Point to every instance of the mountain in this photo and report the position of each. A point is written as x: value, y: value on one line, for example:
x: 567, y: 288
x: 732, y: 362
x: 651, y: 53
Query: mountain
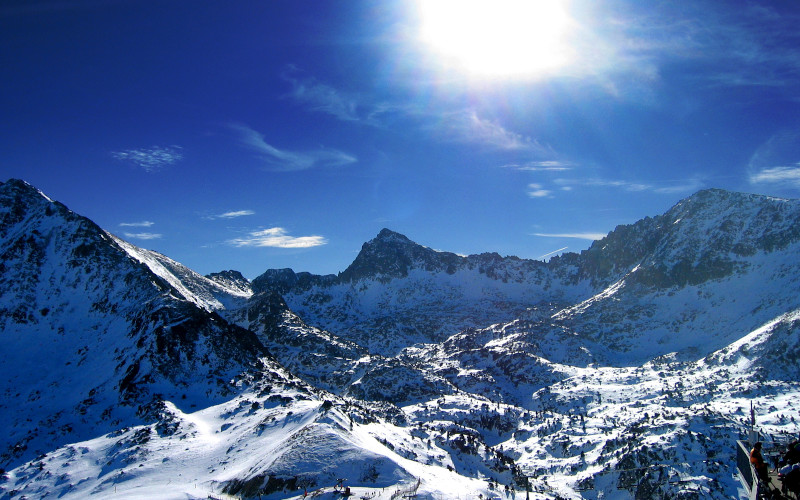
x: 92, y: 338
x: 640, y: 292
x: 398, y: 293
x: 627, y: 370
x: 121, y: 376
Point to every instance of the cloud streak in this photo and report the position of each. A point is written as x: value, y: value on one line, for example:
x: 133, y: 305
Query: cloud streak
x: 467, y: 126
x: 683, y: 186
x: 579, y: 236
x: 290, y: 161
x: 144, y: 223
x: 542, y: 166
x: 458, y: 125
x: 143, y: 236
x: 322, y: 98
x: 231, y: 215
x: 775, y: 161
x: 622, y: 48
x: 150, y: 159
x: 778, y: 175
x: 276, y: 237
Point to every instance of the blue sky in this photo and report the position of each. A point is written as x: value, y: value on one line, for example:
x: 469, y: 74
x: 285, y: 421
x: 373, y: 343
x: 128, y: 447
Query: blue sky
x: 252, y: 135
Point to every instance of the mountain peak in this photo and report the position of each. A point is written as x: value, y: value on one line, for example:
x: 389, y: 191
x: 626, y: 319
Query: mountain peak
x: 227, y: 276
x: 391, y: 255
x: 16, y: 191
x: 387, y: 235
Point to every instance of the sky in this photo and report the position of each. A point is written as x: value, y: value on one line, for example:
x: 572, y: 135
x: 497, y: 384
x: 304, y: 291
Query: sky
x: 253, y: 135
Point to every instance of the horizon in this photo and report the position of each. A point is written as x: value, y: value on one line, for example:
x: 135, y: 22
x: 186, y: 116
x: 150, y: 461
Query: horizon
x: 267, y: 135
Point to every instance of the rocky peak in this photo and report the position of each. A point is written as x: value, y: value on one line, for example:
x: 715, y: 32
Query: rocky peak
x: 391, y: 255
x: 705, y: 236
x: 230, y: 279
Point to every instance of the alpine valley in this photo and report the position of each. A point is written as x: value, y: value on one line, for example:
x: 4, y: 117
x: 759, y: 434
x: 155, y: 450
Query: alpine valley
x: 626, y: 371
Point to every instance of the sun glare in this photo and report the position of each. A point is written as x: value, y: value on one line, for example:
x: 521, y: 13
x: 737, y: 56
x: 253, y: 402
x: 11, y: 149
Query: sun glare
x: 498, y: 38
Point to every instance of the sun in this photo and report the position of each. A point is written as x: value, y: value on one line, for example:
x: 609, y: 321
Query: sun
x: 497, y: 38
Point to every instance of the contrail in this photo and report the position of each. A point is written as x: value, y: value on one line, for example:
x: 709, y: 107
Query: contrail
x: 554, y: 251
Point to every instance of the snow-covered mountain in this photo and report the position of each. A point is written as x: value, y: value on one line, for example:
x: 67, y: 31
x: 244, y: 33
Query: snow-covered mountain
x: 625, y: 371
x: 693, y: 280
x: 92, y: 338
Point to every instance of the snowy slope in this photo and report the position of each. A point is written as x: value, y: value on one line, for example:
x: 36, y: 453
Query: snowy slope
x: 205, y: 292
x: 722, y: 265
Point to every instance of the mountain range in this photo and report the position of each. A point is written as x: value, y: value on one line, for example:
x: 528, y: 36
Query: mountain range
x: 624, y: 371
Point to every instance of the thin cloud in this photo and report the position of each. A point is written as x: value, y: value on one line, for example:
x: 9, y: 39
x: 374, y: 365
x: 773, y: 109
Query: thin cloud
x: 579, y: 236
x: 231, y: 215
x: 290, y: 161
x: 462, y: 125
x: 144, y: 223
x: 276, y: 237
x: 624, y: 185
x: 775, y: 161
x: 537, y: 191
x: 345, y: 106
x: 622, y: 48
x: 684, y: 186
x: 778, y: 175
x: 143, y: 236
x: 689, y: 186
x: 758, y: 44
x: 542, y: 166
x: 468, y: 127
x: 150, y: 159
x: 323, y: 98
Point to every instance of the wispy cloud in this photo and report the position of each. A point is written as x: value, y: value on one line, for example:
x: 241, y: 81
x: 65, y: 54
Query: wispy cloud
x: 276, y: 237
x: 230, y: 215
x: 542, y: 166
x: 686, y: 186
x: 464, y: 125
x: 775, y: 161
x: 757, y: 44
x: 343, y: 105
x: 459, y: 125
x: 673, y: 187
x: 289, y: 161
x: 144, y: 223
x: 624, y: 185
x: 537, y: 191
x: 778, y: 175
x: 468, y: 126
x: 622, y: 47
x: 150, y: 159
x: 143, y: 236
x: 579, y: 236
x: 323, y: 98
